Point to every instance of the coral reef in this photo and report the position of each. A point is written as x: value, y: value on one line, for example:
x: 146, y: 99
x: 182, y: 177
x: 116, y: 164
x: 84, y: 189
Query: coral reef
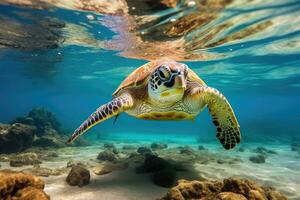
x: 17, y: 185
x: 16, y: 137
x: 228, y: 189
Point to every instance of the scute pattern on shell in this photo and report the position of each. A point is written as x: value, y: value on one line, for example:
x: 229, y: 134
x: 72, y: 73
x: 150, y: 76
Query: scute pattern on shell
x: 138, y: 76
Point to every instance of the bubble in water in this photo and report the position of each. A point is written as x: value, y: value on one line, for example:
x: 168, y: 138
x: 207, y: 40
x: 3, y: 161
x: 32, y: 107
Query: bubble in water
x: 90, y: 17
x: 191, y: 3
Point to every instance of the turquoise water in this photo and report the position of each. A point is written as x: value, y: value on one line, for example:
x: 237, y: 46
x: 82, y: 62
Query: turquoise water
x: 70, y: 60
x: 258, y: 74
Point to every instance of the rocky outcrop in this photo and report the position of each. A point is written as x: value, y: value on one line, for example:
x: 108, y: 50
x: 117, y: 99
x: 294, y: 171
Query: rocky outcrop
x: 50, y: 138
x: 109, y: 167
x: 163, y: 172
x: 39, y: 128
x: 78, y: 176
x: 228, y: 189
x: 22, y: 159
x: 107, y: 155
x: 295, y: 146
x: 144, y: 151
x: 258, y: 159
x: 153, y: 163
x: 16, y: 137
x: 187, y: 150
x: 17, y: 185
x: 158, y: 146
x: 129, y: 147
x: 111, y: 146
x: 44, y: 171
x: 165, y: 177
x: 264, y: 151
x: 101, y: 170
x: 42, y: 119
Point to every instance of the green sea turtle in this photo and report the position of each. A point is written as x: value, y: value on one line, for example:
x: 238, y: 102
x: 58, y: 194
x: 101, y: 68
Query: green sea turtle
x: 167, y: 90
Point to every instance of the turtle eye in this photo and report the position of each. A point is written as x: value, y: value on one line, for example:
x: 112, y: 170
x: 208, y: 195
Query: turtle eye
x: 163, y: 73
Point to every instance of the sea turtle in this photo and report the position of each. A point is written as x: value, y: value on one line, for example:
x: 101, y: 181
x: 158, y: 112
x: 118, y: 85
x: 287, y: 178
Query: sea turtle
x: 167, y: 90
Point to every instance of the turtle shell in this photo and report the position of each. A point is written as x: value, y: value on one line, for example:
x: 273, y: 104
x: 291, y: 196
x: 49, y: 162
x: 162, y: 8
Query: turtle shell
x: 138, y: 76
x: 193, y: 77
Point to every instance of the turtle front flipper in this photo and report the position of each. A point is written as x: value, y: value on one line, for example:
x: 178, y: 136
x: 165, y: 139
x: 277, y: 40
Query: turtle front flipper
x: 228, y: 129
x: 112, y: 108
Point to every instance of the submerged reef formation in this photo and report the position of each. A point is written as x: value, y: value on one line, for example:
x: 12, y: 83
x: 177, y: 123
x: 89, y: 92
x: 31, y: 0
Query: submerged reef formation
x: 228, y: 189
x: 42, y: 119
x: 16, y: 137
x: 23, y: 186
x: 39, y: 128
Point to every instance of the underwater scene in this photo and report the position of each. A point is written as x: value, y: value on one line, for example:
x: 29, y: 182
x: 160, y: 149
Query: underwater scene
x: 149, y: 99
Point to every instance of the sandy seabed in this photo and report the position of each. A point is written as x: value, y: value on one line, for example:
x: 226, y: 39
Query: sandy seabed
x: 280, y: 171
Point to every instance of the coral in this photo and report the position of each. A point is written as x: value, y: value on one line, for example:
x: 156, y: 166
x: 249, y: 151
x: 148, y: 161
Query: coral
x: 78, y: 176
x: 18, y: 185
x: 228, y: 189
x: 16, y: 137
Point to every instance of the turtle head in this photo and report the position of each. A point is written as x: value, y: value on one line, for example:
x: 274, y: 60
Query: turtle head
x: 167, y: 83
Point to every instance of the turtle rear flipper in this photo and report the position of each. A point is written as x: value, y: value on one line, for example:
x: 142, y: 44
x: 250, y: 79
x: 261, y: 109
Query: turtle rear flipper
x: 228, y: 129
x: 112, y: 108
